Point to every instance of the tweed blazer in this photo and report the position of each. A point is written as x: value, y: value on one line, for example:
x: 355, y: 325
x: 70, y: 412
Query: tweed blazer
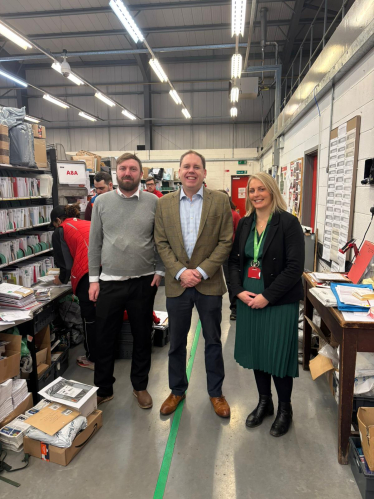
x: 213, y: 244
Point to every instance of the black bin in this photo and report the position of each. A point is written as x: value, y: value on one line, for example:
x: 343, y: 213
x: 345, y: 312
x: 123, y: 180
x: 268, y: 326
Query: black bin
x: 363, y: 476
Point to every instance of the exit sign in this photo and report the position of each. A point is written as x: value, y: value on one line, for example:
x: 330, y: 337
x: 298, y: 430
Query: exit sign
x: 242, y: 162
x: 241, y: 172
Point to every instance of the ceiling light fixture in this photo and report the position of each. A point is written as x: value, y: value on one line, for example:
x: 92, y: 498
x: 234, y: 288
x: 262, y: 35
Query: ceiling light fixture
x: 234, y: 112
x: 105, y: 99
x: 126, y: 19
x: 13, y: 78
x: 32, y: 119
x: 13, y: 37
x: 238, y: 17
x: 234, y: 94
x: 55, y: 101
x: 186, y: 113
x: 156, y: 66
x: 57, y: 67
x: 128, y: 114
x: 175, y: 96
x: 87, y: 116
x: 236, y: 66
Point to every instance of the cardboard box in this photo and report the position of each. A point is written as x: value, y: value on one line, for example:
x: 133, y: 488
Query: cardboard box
x: 319, y: 365
x: 64, y: 456
x: 24, y: 406
x: 40, y: 148
x: 10, y: 367
x: 365, y: 418
x: 39, y: 131
x: 4, y: 145
x: 89, y: 160
x: 145, y: 172
x: 43, y: 352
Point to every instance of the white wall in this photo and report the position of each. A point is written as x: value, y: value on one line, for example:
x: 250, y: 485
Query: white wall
x: 354, y: 96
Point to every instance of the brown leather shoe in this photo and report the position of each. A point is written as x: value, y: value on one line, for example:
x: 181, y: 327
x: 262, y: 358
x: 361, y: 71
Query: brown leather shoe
x: 144, y: 399
x: 102, y: 400
x: 171, y: 403
x: 221, y: 407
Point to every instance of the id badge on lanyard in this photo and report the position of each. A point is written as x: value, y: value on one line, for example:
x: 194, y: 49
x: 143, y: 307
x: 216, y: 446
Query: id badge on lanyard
x: 254, y: 271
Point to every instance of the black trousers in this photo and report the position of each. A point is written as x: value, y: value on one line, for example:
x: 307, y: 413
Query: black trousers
x: 226, y: 272
x: 282, y: 385
x: 180, y: 312
x: 137, y: 297
x: 88, y: 313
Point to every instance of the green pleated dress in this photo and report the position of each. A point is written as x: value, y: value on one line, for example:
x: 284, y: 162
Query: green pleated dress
x: 267, y: 338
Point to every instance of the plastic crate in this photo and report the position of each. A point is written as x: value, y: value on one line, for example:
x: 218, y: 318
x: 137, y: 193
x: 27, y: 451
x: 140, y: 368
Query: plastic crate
x: 161, y: 337
x: 62, y: 363
x: 363, y: 476
x: 47, y: 377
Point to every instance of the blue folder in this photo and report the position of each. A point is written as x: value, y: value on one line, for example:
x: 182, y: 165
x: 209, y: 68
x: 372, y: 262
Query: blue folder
x: 349, y: 308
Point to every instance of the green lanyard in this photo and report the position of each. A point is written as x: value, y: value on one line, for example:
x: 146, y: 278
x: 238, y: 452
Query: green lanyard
x: 257, y: 244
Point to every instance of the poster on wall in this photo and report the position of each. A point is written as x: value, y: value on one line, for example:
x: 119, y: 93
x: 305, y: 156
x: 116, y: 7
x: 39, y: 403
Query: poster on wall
x: 341, y: 182
x: 294, y: 187
x: 283, y: 181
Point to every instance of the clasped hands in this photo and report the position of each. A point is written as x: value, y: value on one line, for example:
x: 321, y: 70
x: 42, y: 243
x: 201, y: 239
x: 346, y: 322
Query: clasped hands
x: 190, y: 278
x: 253, y: 300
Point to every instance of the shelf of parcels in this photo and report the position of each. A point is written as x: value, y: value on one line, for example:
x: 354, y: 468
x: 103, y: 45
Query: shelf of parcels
x: 25, y: 258
x: 19, y: 199
x: 24, y: 228
x: 4, y: 166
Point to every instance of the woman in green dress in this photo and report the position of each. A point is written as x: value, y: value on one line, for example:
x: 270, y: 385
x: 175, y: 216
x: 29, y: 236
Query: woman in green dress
x: 266, y: 265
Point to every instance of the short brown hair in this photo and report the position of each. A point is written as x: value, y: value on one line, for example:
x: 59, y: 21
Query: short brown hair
x: 192, y: 152
x: 150, y: 179
x: 129, y: 155
x: 103, y: 176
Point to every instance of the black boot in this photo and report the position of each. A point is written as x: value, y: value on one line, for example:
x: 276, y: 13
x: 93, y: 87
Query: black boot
x: 264, y: 408
x: 283, y: 420
x: 233, y: 314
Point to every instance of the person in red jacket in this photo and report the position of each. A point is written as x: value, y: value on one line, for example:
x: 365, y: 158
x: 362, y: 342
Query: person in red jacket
x: 151, y: 187
x: 70, y: 245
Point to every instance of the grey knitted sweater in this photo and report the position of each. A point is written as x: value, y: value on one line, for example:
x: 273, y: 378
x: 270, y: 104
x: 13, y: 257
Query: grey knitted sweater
x: 121, y: 235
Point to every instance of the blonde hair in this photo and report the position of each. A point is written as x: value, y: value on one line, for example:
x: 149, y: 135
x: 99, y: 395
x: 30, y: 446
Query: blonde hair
x: 277, y: 204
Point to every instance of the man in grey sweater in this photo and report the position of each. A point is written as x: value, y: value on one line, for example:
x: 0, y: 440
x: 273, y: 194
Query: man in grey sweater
x: 125, y: 272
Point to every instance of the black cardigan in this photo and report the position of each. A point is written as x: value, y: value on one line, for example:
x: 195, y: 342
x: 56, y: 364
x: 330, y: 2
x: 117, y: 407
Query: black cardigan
x: 282, y: 259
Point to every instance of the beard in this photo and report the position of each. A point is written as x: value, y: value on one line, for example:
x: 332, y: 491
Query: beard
x: 128, y: 185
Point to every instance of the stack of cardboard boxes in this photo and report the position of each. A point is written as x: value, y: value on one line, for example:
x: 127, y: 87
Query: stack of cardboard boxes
x: 4, y: 145
x: 93, y: 161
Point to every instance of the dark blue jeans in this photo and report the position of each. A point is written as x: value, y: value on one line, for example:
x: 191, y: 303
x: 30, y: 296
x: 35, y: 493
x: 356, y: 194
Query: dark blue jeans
x: 210, y: 313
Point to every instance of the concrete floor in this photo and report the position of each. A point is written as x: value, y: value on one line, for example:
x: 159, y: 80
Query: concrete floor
x: 213, y: 458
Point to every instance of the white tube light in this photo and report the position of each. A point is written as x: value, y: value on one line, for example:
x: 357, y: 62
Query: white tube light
x: 128, y: 114
x: 126, y: 19
x: 175, y: 96
x: 236, y: 66
x: 234, y: 112
x: 13, y: 78
x: 32, y: 119
x: 186, y: 113
x: 72, y: 77
x: 234, y: 94
x: 156, y: 66
x: 238, y: 17
x: 55, y: 101
x: 105, y: 99
x: 87, y: 116
x: 13, y: 37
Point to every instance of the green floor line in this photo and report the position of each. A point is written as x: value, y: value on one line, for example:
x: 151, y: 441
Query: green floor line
x: 169, y: 450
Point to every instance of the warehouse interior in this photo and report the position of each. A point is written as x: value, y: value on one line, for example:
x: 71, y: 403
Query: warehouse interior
x: 304, y: 68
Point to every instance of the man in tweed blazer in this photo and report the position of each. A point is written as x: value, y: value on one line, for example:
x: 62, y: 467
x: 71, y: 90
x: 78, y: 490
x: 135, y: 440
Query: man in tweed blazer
x: 193, y: 234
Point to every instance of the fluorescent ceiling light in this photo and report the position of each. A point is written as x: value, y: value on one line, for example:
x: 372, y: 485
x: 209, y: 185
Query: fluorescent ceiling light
x: 236, y: 66
x: 238, y: 17
x: 55, y: 101
x: 126, y: 19
x: 57, y: 67
x: 156, y: 66
x: 105, y: 99
x: 234, y: 95
x: 186, y: 113
x: 32, y: 119
x: 13, y: 78
x: 175, y: 96
x: 128, y: 114
x: 13, y: 37
x: 87, y: 116
x: 234, y: 112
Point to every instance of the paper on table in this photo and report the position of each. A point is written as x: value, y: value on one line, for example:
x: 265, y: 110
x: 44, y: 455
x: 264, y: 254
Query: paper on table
x: 357, y: 317
x: 321, y: 276
x: 15, y: 315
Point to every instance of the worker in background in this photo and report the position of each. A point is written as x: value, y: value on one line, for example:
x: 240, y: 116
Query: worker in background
x: 232, y: 298
x: 103, y: 183
x: 70, y: 250
x: 266, y: 265
x: 122, y: 243
x: 151, y: 187
x: 193, y: 233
